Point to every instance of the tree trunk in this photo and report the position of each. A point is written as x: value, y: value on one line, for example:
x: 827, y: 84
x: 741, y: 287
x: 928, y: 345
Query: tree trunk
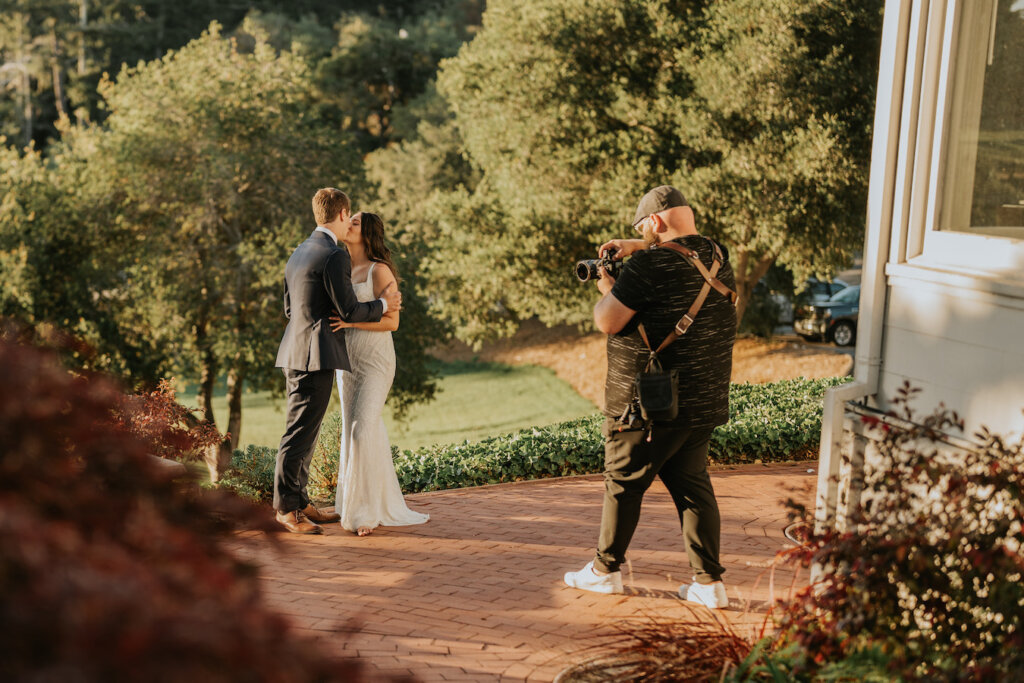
x: 59, y: 96
x: 25, y: 84
x: 236, y: 382
x: 83, y: 23
x: 236, y: 377
x: 747, y: 276
x: 207, y: 383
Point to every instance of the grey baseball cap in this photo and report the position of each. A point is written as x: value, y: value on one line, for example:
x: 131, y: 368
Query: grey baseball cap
x: 657, y: 200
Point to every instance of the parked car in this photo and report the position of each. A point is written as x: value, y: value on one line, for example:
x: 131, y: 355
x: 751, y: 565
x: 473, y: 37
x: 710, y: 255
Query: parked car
x: 814, y: 291
x: 833, y: 320
x: 820, y: 290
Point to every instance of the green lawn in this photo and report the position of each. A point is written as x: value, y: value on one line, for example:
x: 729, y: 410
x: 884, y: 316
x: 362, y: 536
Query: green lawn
x: 475, y: 400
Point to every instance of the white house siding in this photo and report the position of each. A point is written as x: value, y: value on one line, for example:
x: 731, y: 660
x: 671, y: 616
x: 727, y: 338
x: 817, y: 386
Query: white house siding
x: 962, y: 347
x: 942, y: 304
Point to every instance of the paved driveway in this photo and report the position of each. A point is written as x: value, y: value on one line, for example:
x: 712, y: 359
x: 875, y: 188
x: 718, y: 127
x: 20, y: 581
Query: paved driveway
x: 476, y: 594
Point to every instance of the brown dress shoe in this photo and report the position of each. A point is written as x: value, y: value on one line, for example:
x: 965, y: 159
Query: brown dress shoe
x: 297, y: 523
x: 321, y: 516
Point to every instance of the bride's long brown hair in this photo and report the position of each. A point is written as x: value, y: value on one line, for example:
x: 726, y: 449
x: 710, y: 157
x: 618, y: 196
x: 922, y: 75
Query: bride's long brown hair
x: 372, y: 230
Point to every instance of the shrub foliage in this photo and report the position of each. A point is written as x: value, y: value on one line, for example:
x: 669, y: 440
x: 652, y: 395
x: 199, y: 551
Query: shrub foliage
x: 927, y: 584
x: 172, y: 430
x: 658, y: 649
x: 109, y: 569
x: 771, y: 422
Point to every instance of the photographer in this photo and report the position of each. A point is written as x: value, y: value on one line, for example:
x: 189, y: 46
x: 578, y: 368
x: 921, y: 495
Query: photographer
x: 656, y: 287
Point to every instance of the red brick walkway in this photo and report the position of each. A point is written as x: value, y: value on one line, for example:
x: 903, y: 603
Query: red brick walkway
x: 476, y: 594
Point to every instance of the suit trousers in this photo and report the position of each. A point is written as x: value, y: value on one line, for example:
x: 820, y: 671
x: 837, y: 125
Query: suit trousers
x: 678, y: 455
x: 309, y: 394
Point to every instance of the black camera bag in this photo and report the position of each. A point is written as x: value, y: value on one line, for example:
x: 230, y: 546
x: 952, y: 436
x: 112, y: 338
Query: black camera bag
x: 657, y: 391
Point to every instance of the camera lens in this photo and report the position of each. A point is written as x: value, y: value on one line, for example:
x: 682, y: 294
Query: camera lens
x: 586, y: 270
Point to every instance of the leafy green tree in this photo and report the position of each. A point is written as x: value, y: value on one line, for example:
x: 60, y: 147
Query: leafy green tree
x: 404, y: 177
x: 784, y: 98
x: 412, y: 180
x: 306, y: 37
x: 382, y: 62
x: 210, y: 155
x: 34, y: 37
x: 562, y: 105
x: 127, y: 232
x: 759, y: 111
x: 61, y: 266
x: 54, y: 52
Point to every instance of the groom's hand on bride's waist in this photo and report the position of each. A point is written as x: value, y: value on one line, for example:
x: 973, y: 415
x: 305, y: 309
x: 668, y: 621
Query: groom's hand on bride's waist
x: 392, y: 297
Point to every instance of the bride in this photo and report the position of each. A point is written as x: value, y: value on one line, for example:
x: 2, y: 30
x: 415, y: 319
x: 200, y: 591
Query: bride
x: 368, y: 492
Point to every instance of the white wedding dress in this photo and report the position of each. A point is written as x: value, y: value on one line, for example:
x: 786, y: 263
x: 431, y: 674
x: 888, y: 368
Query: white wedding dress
x: 368, y: 494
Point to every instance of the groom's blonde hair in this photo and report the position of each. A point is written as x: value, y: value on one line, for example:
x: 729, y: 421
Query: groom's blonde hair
x: 328, y: 202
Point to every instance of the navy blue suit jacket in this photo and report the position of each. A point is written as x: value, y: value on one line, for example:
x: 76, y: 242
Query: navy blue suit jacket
x: 318, y: 282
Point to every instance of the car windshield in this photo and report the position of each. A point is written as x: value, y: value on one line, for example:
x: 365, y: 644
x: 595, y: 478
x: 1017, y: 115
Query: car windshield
x: 819, y: 289
x: 849, y: 295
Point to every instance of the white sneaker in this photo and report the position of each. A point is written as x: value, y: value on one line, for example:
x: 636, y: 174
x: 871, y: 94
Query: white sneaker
x: 710, y: 595
x: 589, y: 580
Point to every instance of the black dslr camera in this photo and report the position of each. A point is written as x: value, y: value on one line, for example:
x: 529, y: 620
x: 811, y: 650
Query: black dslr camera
x: 587, y: 268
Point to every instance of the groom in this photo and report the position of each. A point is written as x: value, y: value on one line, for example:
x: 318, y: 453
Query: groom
x: 317, y: 282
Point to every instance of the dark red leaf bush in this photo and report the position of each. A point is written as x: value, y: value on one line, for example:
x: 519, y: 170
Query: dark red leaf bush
x: 110, y: 570
x: 926, y: 584
x: 172, y: 430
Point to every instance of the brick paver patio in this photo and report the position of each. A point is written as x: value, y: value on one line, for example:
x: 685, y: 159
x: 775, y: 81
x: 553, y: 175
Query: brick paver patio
x: 476, y: 593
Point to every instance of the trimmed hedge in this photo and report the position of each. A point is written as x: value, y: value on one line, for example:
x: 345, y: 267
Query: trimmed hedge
x: 772, y: 422
x: 768, y: 422
x: 573, y: 447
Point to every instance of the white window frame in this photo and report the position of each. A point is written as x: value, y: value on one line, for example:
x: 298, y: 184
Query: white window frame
x: 995, y: 263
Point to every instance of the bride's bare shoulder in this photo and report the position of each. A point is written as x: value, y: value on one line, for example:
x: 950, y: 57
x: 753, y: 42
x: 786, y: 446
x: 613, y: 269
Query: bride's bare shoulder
x: 382, y: 277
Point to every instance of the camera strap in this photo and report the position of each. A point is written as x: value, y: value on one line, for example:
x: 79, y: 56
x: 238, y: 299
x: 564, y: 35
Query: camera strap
x: 710, y: 282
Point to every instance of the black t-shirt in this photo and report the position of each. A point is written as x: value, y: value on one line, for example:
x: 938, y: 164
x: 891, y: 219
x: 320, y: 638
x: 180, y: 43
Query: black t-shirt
x: 660, y: 286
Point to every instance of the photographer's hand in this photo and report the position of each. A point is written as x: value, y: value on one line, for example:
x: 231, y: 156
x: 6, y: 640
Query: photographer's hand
x: 620, y: 249
x: 605, y: 282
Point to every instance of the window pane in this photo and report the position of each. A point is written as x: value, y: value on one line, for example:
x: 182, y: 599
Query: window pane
x: 984, y: 178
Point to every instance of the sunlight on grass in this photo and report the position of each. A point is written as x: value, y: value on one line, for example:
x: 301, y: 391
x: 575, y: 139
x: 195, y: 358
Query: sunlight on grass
x: 476, y: 400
